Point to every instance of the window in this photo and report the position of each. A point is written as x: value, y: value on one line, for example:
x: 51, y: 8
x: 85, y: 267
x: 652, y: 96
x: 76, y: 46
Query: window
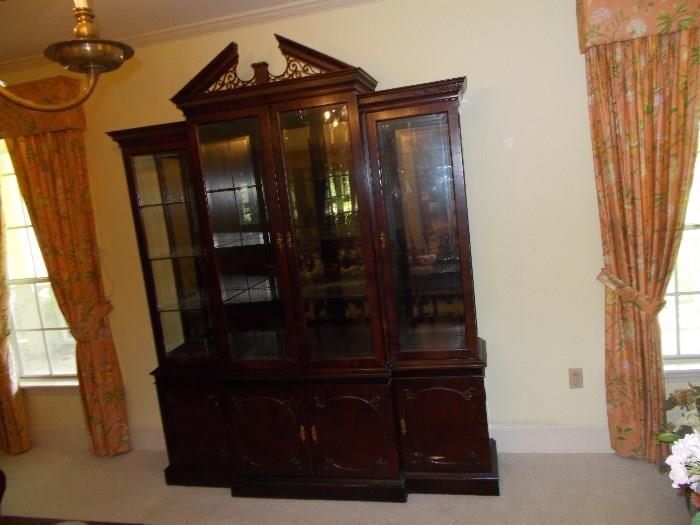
x: 680, y: 318
x: 40, y: 340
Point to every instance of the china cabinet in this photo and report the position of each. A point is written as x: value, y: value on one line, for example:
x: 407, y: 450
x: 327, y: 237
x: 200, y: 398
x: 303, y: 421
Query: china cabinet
x: 305, y: 248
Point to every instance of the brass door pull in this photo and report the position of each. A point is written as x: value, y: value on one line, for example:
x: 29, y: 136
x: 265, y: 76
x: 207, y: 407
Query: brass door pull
x: 290, y: 241
x: 314, y: 435
x: 302, y: 433
x: 280, y: 240
x: 402, y: 422
x: 382, y: 240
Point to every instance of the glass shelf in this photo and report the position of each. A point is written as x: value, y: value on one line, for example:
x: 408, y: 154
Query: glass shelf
x: 176, y: 254
x: 169, y: 223
x: 166, y: 203
x: 240, y: 239
x: 190, y: 302
x: 242, y: 187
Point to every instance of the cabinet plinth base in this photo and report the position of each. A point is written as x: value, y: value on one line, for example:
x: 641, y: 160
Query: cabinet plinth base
x: 342, y: 489
x: 198, y: 476
x: 478, y: 483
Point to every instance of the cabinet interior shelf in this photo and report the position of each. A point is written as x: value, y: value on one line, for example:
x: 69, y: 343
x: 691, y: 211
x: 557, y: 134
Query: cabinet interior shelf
x: 179, y: 254
x: 164, y: 203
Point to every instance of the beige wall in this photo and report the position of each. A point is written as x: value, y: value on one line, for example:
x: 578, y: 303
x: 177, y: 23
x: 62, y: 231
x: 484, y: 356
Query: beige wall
x: 533, y: 218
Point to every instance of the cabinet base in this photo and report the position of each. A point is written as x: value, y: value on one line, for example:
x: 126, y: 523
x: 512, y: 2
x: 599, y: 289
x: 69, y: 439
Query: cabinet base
x: 198, y: 476
x: 344, y: 489
x: 477, y: 483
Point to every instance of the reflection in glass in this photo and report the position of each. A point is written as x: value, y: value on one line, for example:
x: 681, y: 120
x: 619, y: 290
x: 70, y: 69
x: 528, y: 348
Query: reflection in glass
x: 156, y: 231
x: 246, y: 257
x: 147, y: 184
x: 416, y: 168
x: 170, y: 226
x: 318, y: 162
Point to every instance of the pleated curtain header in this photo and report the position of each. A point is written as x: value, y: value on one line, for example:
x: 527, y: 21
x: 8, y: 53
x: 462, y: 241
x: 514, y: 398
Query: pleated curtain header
x: 20, y: 122
x: 606, y: 21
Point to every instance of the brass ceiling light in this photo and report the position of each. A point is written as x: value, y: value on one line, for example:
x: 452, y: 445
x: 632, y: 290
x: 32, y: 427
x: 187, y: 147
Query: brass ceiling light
x: 87, y: 54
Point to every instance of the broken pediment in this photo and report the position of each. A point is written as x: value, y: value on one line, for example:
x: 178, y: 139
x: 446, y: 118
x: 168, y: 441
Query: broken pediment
x: 221, y: 74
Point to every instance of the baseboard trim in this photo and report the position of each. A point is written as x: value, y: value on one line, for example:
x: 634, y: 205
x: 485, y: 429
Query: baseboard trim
x: 76, y: 437
x: 515, y: 438
x: 512, y: 438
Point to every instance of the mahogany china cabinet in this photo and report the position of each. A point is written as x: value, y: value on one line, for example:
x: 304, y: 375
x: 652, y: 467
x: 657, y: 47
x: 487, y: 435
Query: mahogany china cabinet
x: 305, y: 248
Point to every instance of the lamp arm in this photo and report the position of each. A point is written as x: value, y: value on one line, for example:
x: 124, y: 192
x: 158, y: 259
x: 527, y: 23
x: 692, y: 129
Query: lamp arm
x: 86, y: 89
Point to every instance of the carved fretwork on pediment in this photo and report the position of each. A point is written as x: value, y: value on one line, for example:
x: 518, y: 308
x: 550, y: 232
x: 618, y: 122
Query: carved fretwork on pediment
x: 296, y: 68
x: 221, y: 74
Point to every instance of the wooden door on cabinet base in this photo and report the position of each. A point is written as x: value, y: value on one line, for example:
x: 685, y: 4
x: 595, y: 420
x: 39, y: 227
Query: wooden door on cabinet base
x: 352, y: 431
x: 195, y: 433
x: 443, y: 426
x: 268, y: 433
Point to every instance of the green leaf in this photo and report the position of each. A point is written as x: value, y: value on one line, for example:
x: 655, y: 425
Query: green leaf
x: 665, y: 23
x: 668, y: 437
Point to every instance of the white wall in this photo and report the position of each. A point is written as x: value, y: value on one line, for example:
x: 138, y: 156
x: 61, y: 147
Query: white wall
x: 531, y: 194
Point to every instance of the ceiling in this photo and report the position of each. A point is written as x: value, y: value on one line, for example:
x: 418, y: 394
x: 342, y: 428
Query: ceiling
x: 28, y: 26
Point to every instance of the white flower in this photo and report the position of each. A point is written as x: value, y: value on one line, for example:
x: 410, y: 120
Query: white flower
x: 685, y: 460
x: 678, y: 475
x: 637, y: 27
x: 599, y: 14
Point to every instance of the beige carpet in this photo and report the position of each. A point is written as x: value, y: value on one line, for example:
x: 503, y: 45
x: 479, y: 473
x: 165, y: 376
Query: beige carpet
x: 536, y: 489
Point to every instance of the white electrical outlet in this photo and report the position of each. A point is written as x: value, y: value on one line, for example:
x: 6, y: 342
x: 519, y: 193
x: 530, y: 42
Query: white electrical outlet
x: 575, y: 377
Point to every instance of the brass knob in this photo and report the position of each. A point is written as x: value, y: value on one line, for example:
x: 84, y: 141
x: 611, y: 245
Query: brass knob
x: 402, y: 422
x: 290, y: 240
x: 280, y: 240
x: 302, y: 433
x: 314, y: 435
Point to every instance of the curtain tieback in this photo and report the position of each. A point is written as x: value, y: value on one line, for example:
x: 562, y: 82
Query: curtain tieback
x: 86, y: 328
x: 627, y: 292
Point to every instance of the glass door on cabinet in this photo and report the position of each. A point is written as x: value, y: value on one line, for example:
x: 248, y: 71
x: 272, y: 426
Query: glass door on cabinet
x: 325, y: 220
x: 418, y: 186
x: 244, y: 241
x: 169, y: 225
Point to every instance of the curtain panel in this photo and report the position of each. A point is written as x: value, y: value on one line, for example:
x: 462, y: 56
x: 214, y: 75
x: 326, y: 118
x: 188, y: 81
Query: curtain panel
x: 14, y: 428
x: 643, y: 74
x: 606, y: 21
x: 48, y: 153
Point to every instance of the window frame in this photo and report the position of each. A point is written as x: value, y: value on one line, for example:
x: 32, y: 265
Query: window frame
x: 6, y: 171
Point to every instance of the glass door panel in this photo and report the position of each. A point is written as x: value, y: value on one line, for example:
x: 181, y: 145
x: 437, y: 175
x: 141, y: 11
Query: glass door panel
x: 325, y: 218
x: 244, y: 243
x: 416, y: 170
x: 169, y: 223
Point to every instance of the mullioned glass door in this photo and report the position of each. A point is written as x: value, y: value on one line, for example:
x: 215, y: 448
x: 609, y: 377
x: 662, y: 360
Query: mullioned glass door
x: 168, y: 222
x: 241, y: 202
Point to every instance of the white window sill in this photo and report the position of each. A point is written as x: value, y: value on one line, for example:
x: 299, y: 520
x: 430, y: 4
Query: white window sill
x: 683, y: 374
x: 68, y: 385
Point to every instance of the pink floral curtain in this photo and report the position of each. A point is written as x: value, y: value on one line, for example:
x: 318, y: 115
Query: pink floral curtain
x: 48, y: 153
x: 607, y: 21
x: 643, y: 107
